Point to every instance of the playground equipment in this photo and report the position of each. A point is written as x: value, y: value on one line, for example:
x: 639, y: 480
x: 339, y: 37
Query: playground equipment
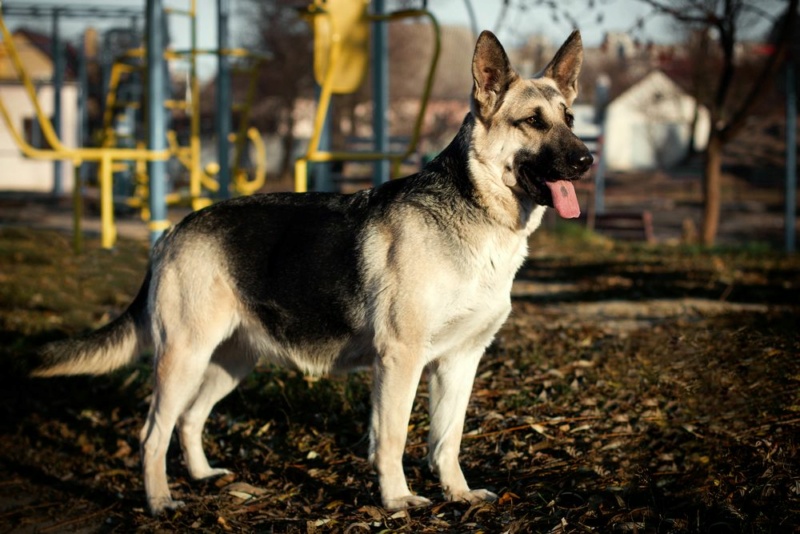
x: 105, y: 157
x: 341, y: 55
x: 111, y: 157
x: 130, y: 67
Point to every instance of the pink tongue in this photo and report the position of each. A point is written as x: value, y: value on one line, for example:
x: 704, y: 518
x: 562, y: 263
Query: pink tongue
x: 564, y: 198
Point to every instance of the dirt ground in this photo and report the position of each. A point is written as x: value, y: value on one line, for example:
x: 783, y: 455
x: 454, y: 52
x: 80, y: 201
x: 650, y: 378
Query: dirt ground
x: 634, y: 389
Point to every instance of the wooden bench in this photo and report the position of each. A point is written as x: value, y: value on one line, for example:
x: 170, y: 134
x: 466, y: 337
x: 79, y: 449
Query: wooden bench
x: 629, y: 226
x: 635, y: 226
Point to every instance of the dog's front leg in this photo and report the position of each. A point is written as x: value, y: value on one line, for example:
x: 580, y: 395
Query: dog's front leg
x: 396, y: 376
x: 450, y: 385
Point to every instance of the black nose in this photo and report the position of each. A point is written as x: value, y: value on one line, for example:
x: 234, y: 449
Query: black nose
x: 581, y: 161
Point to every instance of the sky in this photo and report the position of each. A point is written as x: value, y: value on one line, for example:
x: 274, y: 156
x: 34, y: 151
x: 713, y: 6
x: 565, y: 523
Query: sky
x: 618, y: 15
x: 515, y: 27
x: 621, y: 15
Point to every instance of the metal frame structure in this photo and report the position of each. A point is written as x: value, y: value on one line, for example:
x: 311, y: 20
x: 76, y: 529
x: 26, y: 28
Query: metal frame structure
x: 56, y: 13
x: 214, y: 178
x: 105, y: 157
x: 150, y: 162
x: 161, y: 145
x: 337, y: 50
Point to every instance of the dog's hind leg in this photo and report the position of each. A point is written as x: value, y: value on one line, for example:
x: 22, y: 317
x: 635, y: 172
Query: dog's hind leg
x: 230, y: 364
x: 193, y: 311
x: 450, y: 385
x: 179, y: 374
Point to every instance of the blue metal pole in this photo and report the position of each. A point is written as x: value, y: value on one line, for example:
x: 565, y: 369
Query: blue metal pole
x: 600, y: 174
x: 380, y: 91
x: 58, y: 83
x: 223, y: 99
x: 791, y: 155
x: 601, y: 100
x: 156, y: 117
x: 322, y: 170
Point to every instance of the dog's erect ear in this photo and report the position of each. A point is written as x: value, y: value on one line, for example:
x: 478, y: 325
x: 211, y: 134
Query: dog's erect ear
x: 492, y: 74
x: 566, y: 65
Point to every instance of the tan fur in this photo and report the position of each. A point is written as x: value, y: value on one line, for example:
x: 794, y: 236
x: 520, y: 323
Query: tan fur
x: 431, y: 297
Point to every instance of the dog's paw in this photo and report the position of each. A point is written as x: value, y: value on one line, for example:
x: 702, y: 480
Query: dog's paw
x: 211, y: 472
x: 405, y: 502
x: 473, y: 496
x: 159, y: 506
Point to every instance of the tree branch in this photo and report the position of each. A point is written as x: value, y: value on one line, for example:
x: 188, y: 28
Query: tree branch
x: 771, y: 67
x: 727, y: 39
x: 701, y: 16
x: 758, y: 11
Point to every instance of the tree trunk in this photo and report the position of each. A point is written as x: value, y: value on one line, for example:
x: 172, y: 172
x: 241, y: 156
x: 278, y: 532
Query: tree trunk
x: 690, y: 150
x: 712, y: 188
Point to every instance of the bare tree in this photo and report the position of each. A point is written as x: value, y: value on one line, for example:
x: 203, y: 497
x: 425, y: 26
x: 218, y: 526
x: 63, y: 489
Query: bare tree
x: 278, y: 30
x: 691, y: 70
x: 728, y: 19
x: 732, y: 89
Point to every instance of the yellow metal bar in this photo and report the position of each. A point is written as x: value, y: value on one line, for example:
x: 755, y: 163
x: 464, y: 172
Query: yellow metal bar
x: 243, y: 185
x: 190, y: 156
x: 260, y: 172
x: 244, y: 132
x: 324, y: 100
x: 77, y: 209
x: 175, y: 104
x: 301, y: 175
x: 176, y: 11
x: 108, y: 232
x: 196, y: 174
x: 134, y: 53
x: 159, y: 226
x: 117, y: 69
x: 312, y: 152
x: 210, y: 183
x: 61, y: 151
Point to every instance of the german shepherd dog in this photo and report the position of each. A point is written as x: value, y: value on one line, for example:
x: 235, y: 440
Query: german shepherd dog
x: 413, y: 276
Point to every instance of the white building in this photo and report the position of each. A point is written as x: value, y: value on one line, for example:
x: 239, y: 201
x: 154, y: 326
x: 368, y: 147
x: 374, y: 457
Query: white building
x: 18, y: 172
x: 649, y: 125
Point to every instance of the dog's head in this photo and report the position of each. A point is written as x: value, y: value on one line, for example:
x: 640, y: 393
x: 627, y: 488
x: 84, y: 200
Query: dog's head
x: 523, y: 131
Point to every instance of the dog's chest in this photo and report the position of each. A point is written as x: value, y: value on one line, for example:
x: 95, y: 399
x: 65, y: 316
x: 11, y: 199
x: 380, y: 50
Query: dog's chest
x: 494, y: 264
x: 479, y: 301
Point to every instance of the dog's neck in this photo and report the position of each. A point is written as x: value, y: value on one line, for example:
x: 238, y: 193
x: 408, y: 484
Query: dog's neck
x: 481, y: 182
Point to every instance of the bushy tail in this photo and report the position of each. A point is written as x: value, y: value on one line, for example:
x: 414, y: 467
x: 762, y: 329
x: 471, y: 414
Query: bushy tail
x: 107, y: 349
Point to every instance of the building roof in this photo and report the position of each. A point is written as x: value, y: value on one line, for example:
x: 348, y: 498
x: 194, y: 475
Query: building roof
x: 35, y: 50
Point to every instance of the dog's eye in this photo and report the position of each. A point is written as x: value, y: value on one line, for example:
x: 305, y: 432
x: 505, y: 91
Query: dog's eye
x: 537, y: 122
x: 570, y: 119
